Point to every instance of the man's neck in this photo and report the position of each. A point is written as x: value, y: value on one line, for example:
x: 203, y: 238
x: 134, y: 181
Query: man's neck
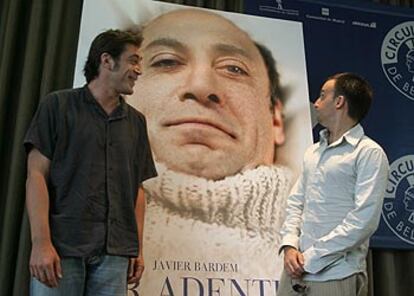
x: 339, y: 128
x: 107, y: 97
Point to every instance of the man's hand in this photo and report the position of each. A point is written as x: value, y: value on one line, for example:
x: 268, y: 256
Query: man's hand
x: 45, y: 264
x: 293, y: 262
x: 135, y: 269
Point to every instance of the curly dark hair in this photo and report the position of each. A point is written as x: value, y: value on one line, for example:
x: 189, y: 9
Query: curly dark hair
x: 112, y: 42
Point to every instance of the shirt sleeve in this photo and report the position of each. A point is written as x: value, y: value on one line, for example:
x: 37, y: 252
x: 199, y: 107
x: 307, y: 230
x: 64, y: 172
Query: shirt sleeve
x: 147, y: 166
x: 290, y: 231
x: 360, y: 223
x: 42, y: 132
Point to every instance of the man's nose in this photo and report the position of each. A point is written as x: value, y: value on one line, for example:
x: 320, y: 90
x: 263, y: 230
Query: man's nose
x: 209, y: 98
x: 201, y: 85
x: 316, y: 103
x: 137, y: 69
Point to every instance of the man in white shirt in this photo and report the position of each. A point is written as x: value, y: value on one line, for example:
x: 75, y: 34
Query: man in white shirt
x: 335, y: 205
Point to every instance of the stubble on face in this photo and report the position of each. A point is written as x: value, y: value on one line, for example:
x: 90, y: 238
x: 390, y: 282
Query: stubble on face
x: 126, y: 70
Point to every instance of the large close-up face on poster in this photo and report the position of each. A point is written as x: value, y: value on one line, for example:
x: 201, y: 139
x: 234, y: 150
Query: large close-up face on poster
x: 226, y: 102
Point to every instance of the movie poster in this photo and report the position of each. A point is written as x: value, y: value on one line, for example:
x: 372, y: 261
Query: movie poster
x: 226, y: 102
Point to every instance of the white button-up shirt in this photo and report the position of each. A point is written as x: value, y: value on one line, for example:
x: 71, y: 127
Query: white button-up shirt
x: 335, y: 205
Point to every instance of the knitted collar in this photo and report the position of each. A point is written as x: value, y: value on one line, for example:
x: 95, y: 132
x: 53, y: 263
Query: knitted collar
x: 253, y: 200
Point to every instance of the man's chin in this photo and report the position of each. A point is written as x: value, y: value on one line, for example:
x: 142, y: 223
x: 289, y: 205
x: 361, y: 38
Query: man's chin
x: 127, y: 89
x: 210, y: 160
x: 128, y: 92
x: 211, y: 170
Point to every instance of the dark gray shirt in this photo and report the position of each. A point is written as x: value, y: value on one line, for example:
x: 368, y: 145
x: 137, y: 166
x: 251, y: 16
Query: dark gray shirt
x: 97, y: 165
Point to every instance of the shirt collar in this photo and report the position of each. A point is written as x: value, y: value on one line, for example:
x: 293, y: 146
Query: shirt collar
x: 119, y: 112
x: 352, y: 136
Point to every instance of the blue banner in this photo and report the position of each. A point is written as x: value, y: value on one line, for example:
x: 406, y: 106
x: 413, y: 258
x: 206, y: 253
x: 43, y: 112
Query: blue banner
x: 376, y: 42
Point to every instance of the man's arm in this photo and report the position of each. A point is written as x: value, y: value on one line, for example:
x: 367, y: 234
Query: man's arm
x: 360, y: 223
x: 44, y: 260
x: 293, y: 259
x: 136, y: 265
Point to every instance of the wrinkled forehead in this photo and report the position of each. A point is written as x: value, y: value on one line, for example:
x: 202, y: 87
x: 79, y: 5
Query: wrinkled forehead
x: 192, y: 25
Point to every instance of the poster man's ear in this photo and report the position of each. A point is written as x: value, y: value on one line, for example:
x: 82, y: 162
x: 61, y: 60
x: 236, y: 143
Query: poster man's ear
x: 278, y: 125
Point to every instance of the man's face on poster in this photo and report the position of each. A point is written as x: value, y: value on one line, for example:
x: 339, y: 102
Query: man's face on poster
x: 206, y: 96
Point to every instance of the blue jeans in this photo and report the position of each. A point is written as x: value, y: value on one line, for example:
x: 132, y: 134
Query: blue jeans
x: 103, y: 275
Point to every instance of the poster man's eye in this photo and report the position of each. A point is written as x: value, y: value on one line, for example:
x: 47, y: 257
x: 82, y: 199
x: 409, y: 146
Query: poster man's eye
x: 236, y: 69
x: 166, y: 63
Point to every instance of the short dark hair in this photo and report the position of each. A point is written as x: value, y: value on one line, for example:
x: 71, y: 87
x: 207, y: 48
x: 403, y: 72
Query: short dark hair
x: 357, y: 92
x: 112, y: 42
x: 276, y: 90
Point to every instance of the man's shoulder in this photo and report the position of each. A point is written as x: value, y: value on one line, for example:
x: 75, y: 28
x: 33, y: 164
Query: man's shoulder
x: 67, y: 92
x: 369, y: 150
x: 63, y: 94
x: 367, y: 143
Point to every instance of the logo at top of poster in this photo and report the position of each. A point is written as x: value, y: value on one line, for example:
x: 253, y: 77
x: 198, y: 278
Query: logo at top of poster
x: 398, y: 207
x: 277, y: 6
x: 397, y: 57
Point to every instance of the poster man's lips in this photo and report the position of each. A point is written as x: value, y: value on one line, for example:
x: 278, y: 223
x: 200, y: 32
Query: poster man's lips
x: 201, y: 121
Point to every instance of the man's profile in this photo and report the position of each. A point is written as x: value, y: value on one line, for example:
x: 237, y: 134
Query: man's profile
x: 335, y: 206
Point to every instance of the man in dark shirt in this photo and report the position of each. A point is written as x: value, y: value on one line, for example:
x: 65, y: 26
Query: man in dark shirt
x: 88, y: 154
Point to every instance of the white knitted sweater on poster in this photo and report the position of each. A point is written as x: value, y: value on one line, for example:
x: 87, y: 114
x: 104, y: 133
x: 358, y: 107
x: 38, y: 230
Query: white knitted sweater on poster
x: 235, y: 220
